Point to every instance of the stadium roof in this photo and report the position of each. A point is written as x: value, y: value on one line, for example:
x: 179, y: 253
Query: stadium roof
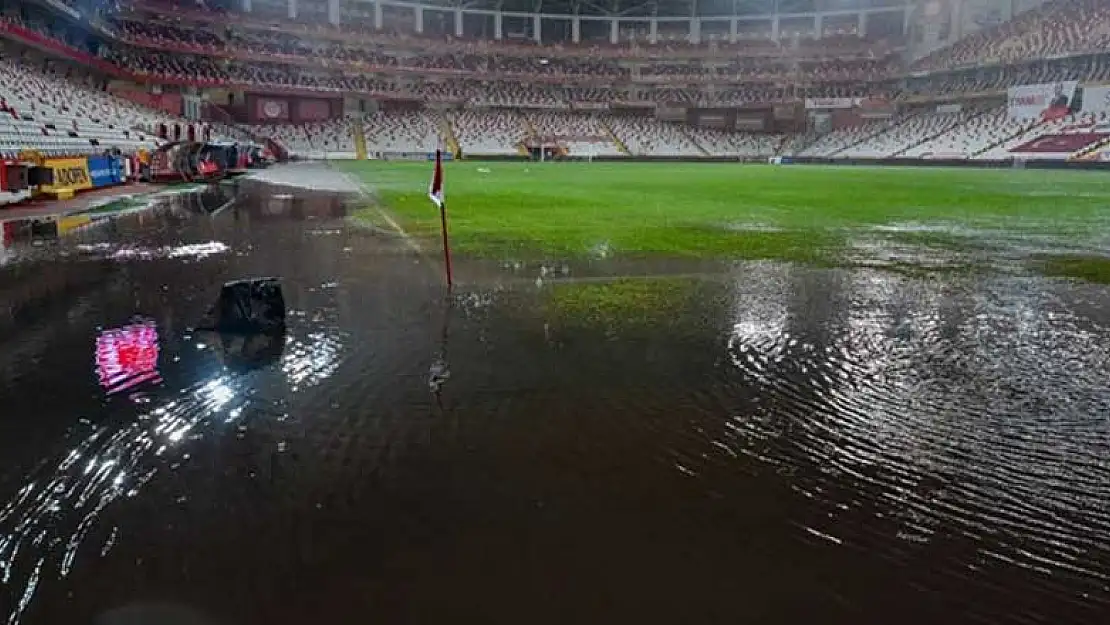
x: 669, y: 8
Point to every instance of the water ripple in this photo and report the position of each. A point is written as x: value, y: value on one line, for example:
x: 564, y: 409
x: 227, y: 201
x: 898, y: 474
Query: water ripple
x: 982, y: 419
x: 52, y: 516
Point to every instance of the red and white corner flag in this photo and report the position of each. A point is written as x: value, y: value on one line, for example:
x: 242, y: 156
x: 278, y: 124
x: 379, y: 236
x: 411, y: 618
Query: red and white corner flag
x: 435, y: 189
x: 435, y: 193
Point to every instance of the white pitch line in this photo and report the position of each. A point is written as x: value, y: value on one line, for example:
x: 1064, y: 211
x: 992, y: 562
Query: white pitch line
x: 430, y: 262
x: 408, y: 238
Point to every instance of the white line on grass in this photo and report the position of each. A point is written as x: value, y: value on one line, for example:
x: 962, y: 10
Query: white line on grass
x: 365, y: 192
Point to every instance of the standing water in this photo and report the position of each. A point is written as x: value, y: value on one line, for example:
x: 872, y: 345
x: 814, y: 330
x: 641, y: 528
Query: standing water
x: 757, y: 443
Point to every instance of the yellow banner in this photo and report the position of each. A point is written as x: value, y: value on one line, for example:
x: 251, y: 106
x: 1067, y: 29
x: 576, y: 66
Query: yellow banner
x: 70, y: 174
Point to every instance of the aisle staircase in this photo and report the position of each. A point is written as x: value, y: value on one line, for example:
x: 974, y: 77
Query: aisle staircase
x: 447, y: 131
x: 1007, y: 138
x: 788, y: 147
x: 934, y: 135
x: 694, y: 142
x: 882, y: 131
x: 1090, y: 152
x: 616, y: 140
x: 358, y: 134
x: 530, y: 127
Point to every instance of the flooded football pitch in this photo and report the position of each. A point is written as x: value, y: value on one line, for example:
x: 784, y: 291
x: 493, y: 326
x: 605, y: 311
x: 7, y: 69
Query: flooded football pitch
x: 606, y: 441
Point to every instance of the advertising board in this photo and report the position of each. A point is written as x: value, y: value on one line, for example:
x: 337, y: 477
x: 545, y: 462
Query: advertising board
x: 105, y: 171
x: 70, y: 175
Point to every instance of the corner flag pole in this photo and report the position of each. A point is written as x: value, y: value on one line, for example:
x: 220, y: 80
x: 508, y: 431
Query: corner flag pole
x: 446, y: 245
x: 435, y: 192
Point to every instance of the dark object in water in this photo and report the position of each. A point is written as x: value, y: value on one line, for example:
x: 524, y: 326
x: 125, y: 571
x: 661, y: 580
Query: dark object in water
x: 249, y: 306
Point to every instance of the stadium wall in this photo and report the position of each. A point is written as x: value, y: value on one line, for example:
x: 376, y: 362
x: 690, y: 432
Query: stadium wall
x: 946, y: 162
x: 859, y: 162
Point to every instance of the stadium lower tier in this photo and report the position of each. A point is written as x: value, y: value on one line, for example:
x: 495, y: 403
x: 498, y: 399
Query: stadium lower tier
x: 971, y: 133
x: 60, y: 111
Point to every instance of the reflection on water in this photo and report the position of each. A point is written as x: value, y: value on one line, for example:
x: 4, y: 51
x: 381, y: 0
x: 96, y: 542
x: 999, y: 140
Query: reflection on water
x: 968, y: 417
x: 127, y: 252
x: 768, y: 443
x: 127, y: 356
x: 49, y: 522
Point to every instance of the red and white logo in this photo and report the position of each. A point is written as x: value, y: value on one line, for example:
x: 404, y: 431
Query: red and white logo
x: 271, y: 109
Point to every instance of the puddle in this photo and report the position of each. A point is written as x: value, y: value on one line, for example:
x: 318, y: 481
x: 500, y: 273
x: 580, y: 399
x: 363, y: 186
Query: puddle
x: 667, y: 431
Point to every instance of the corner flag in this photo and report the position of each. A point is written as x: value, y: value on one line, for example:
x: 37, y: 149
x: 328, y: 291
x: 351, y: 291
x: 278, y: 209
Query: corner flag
x: 435, y: 193
x: 435, y: 189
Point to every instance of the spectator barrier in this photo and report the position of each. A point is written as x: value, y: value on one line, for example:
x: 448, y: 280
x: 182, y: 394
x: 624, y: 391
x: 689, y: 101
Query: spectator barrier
x: 1093, y: 164
x: 939, y: 162
x: 411, y: 156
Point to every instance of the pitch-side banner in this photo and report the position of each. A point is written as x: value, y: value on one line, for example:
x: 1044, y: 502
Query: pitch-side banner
x: 70, y: 174
x: 1096, y: 99
x: 1050, y: 99
x: 831, y: 103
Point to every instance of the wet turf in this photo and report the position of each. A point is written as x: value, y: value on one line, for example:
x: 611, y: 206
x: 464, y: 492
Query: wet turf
x: 733, y: 211
x: 652, y: 304
x: 1089, y: 268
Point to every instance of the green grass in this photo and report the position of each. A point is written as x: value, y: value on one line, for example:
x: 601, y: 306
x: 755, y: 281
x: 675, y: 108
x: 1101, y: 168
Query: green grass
x: 1089, y: 268
x: 650, y: 302
x: 802, y: 213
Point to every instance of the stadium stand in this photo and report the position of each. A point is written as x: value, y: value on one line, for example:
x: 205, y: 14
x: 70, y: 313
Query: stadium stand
x: 974, y: 135
x: 995, y: 80
x: 1055, y: 140
x: 725, y: 143
x: 581, y: 134
x: 63, y: 116
x: 491, y: 132
x: 313, y: 140
x: 599, y: 96
x: 796, y: 143
x: 835, y: 142
x: 910, y: 132
x: 1054, y: 29
x: 399, y: 132
x: 650, y: 137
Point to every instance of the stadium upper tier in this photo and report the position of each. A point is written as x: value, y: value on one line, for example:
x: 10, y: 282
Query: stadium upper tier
x: 375, y: 56
x: 802, y: 29
x: 205, y: 71
x: 807, y: 43
x: 834, y: 52
x: 534, y: 71
x: 488, y: 81
x: 750, y: 26
x: 1052, y: 30
x: 243, y: 51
